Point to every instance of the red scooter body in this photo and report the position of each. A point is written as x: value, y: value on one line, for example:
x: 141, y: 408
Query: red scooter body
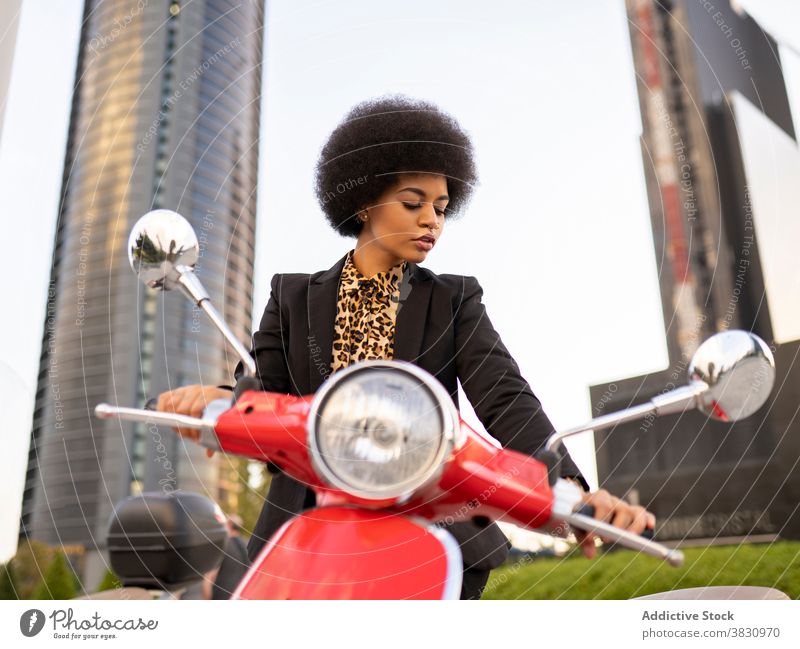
x: 355, y: 545
x: 352, y: 548
x: 355, y: 553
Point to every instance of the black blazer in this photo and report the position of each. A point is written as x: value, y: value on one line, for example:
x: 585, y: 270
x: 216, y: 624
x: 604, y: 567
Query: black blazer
x: 442, y: 327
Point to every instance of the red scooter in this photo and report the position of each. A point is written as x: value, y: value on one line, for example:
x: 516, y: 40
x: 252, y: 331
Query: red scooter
x: 390, y: 460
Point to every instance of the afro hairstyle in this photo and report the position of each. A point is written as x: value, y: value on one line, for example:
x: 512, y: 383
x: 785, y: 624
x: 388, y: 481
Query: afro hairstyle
x: 380, y: 138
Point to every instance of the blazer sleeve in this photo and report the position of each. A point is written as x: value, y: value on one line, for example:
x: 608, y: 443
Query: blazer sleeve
x: 491, y: 379
x: 270, y: 343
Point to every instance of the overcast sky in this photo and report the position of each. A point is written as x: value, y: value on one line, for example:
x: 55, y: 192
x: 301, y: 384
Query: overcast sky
x: 558, y: 233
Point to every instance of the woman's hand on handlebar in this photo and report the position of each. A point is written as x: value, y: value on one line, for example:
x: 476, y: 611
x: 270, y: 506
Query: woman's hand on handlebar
x: 191, y: 400
x: 616, y: 511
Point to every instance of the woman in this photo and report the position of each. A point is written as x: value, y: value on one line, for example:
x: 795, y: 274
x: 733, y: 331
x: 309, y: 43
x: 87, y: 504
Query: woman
x: 391, y: 175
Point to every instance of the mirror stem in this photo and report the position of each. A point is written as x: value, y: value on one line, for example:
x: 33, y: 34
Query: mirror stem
x: 194, y: 289
x: 669, y: 403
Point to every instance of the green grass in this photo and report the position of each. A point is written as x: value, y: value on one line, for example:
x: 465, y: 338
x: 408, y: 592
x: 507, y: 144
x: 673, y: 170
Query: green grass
x: 623, y: 574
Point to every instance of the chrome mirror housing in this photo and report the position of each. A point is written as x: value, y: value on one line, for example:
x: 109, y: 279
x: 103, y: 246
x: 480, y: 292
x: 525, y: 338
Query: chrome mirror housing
x: 739, y: 370
x: 163, y: 251
x: 730, y: 377
x: 162, y: 246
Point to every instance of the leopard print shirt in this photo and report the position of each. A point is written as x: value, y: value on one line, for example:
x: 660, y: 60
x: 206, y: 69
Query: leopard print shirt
x: 366, y: 314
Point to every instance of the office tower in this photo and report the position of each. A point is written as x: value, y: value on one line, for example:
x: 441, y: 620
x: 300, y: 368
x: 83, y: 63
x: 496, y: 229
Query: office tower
x: 718, y: 142
x: 165, y: 114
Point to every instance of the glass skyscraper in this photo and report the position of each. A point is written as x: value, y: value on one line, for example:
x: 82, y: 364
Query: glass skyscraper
x: 719, y: 148
x: 165, y: 114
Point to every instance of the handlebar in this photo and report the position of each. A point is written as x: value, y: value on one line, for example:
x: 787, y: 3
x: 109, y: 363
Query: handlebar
x: 107, y: 411
x: 623, y: 537
x: 568, y: 511
x: 589, y: 510
x: 569, y: 508
x: 149, y: 415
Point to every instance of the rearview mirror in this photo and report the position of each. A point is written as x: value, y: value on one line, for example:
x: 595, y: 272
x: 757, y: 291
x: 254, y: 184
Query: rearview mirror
x: 163, y: 251
x: 739, y: 370
x: 162, y: 246
x: 730, y: 377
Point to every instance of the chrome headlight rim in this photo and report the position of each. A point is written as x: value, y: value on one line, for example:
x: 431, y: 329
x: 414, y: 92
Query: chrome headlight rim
x: 451, y: 431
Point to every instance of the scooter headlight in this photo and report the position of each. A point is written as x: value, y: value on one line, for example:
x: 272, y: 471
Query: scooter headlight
x: 381, y: 429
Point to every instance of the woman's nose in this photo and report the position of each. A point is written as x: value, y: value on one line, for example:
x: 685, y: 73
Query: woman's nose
x: 428, y: 217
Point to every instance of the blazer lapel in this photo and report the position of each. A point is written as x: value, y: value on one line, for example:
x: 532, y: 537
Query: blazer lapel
x: 415, y: 294
x: 412, y: 313
x: 322, y: 294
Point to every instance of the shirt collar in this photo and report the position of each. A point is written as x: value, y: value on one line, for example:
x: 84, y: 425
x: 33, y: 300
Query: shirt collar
x: 384, y: 283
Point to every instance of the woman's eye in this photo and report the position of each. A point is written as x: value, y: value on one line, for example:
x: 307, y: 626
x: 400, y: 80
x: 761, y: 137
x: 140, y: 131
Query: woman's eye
x: 441, y: 211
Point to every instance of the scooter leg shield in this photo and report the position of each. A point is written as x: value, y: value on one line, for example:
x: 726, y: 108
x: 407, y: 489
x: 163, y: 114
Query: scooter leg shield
x: 353, y: 553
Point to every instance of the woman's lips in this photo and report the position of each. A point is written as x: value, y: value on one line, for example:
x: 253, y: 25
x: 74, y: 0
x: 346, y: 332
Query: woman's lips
x: 424, y: 244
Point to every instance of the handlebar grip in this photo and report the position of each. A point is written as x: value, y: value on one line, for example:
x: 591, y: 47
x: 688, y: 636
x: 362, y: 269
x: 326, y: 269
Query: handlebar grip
x: 588, y: 510
x: 553, y: 463
x: 244, y: 384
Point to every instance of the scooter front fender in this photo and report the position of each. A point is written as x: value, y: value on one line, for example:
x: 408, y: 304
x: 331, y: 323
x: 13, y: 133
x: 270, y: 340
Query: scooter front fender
x: 352, y: 553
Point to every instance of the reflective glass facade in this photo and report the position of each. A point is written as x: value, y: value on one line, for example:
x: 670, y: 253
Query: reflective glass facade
x: 165, y: 114
x: 716, y: 120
